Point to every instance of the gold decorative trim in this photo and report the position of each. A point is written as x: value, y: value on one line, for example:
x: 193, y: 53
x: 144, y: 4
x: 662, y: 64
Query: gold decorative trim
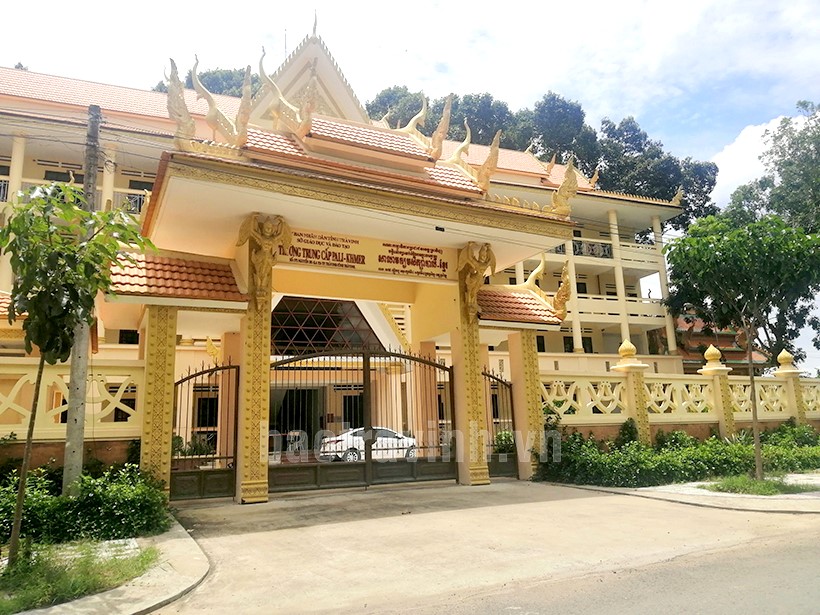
x: 532, y: 384
x: 467, y: 212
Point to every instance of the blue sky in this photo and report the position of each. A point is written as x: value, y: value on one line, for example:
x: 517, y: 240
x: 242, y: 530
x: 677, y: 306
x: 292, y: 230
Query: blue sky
x: 705, y: 77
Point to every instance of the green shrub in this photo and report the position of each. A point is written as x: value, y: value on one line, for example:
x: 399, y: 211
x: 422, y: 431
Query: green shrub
x: 674, y: 440
x: 122, y: 503
x: 504, y: 442
x: 627, y: 433
x: 791, y: 434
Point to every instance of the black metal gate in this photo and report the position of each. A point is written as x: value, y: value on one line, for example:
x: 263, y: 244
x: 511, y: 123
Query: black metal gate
x: 203, y: 444
x: 359, y: 418
x: 501, y: 453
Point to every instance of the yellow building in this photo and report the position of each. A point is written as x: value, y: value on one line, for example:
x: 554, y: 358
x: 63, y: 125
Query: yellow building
x: 326, y: 287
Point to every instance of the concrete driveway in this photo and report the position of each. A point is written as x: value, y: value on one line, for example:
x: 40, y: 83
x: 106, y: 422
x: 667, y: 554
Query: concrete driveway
x: 403, y: 547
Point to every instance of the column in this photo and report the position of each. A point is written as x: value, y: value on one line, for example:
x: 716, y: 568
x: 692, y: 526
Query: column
x: 528, y: 415
x: 158, y: 397
x: 721, y: 396
x: 519, y: 273
x: 109, y: 173
x: 794, y: 391
x: 577, y: 341
x: 671, y: 341
x: 635, y: 388
x: 619, y: 272
x: 18, y: 154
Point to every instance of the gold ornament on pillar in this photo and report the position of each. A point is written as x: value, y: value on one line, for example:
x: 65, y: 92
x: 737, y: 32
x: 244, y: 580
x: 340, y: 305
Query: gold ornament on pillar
x: 473, y: 263
x: 563, y: 294
x: 268, y: 233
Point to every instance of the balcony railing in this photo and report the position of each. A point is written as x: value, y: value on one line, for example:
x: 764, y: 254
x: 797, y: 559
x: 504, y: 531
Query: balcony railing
x: 583, y: 247
x: 4, y: 190
x: 131, y: 200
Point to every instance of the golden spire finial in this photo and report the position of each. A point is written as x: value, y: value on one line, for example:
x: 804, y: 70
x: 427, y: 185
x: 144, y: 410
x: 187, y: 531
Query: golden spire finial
x: 550, y: 165
x: 490, y: 164
x: 418, y: 119
x: 437, y: 140
x: 464, y: 147
x: 785, y: 358
x: 676, y: 200
x: 627, y: 349
x: 315, y: 21
x: 594, y: 179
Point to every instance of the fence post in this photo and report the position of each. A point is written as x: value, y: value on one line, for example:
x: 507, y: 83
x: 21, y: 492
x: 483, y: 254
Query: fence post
x: 527, y: 408
x: 794, y: 392
x: 635, y: 389
x: 721, y: 395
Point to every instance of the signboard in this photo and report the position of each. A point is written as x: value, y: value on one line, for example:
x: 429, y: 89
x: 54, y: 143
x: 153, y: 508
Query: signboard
x: 368, y: 255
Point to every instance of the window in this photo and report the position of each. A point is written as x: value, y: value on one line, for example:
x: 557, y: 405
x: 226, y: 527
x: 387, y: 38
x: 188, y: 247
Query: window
x: 63, y: 176
x: 4, y: 169
x: 128, y: 336
x: 582, y: 288
x: 138, y: 185
x: 540, y: 343
x: 586, y: 342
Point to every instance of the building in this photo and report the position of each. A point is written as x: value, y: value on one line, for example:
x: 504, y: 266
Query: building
x: 328, y: 273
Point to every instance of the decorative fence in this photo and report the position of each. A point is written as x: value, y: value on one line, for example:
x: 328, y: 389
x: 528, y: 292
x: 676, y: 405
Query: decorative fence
x: 656, y: 399
x: 113, y: 399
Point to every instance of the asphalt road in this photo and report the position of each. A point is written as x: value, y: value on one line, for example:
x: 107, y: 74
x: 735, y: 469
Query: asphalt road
x: 510, y: 547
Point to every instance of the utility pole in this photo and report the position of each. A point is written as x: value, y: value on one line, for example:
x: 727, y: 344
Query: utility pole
x: 77, y: 386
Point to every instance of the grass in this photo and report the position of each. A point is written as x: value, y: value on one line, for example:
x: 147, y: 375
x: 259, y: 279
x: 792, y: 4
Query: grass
x: 751, y: 486
x: 52, y: 577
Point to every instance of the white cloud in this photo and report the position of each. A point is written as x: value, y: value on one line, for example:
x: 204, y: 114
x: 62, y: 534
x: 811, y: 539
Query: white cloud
x: 739, y: 161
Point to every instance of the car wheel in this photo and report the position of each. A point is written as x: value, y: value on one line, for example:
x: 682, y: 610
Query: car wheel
x: 411, y: 453
x: 351, y: 455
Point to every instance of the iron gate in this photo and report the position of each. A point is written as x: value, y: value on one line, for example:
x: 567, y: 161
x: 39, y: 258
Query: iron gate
x: 359, y: 418
x: 501, y: 453
x: 203, y: 444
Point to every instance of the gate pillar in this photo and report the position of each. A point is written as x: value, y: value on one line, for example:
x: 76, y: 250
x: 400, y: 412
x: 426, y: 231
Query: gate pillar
x: 158, y: 405
x: 472, y: 433
x: 265, y: 235
x: 528, y: 417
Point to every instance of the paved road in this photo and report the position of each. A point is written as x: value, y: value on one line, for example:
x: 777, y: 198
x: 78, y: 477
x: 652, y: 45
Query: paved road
x: 508, y: 547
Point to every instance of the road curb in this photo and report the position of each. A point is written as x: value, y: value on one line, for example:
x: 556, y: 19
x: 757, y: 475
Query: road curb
x: 182, y: 566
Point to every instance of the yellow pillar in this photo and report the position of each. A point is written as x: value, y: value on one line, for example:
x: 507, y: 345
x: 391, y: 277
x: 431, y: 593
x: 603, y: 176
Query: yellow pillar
x: 158, y: 398
x: 577, y: 338
x: 671, y: 341
x: 635, y: 389
x: 620, y: 287
x: 528, y: 415
x: 794, y: 391
x: 721, y: 395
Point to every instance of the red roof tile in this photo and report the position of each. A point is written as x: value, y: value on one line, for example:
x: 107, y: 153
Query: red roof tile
x: 514, y: 305
x: 161, y: 276
x: 453, y: 178
x: 370, y: 137
x: 508, y: 159
x: 273, y: 142
x: 38, y: 86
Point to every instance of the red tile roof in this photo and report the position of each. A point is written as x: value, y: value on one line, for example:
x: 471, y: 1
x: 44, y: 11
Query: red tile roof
x: 160, y: 276
x: 62, y: 90
x: 514, y: 305
x: 453, y: 178
x: 273, y: 142
x: 382, y: 139
x: 508, y: 159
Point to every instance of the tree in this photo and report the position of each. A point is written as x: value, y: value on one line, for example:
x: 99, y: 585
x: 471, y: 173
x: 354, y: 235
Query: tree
x: 61, y: 256
x: 632, y: 162
x: 218, y: 81
x: 791, y: 184
x: 560, y: 130
x: 751, y: 276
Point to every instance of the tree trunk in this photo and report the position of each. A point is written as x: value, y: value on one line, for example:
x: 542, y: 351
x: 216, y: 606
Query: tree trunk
x: 75, y: 423
x: 14, y: 542
x: 753, y: 396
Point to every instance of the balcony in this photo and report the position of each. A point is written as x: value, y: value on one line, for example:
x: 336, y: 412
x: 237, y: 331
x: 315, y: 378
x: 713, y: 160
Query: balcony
x: 606, y: 308
x: 131, y: 200
x: 584, y: 247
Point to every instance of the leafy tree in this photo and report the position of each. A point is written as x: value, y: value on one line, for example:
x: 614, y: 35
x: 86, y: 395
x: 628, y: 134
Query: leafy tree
x: 754, y: 277
x: 632, y: 162
x: 61, y: 256
x: 218, y: 81
x: 559, y: 129
x: 791, y: 184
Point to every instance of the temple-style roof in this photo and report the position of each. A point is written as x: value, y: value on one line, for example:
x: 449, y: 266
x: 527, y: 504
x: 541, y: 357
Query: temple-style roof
x: 514, y: 305
x: 76, y: 92
x: 693, y: 341
x: 161, y: 276
x: 369, y: 137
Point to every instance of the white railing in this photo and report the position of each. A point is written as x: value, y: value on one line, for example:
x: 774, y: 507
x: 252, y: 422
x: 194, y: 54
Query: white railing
x: 131, y: 200
x: 811, y: 396
x: 586, y: 247
x: 680, y: 397
x: 579, y: 398
x: 772, y: 400
x: 113, y: 400
x: 643, y: 254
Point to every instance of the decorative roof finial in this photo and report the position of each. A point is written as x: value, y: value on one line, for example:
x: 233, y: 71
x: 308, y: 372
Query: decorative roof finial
x: 559, y: 303
x: 315, y: 21
x: 490, y: 165
x: 437, y: 140
x: 550, y: 165
x: 464, y: 148
x: 280, y: 107
x: 567, y: 190
x: 678, y: 196
x: 177, y: 109
x: 418, y: 119
x: 593, y: 181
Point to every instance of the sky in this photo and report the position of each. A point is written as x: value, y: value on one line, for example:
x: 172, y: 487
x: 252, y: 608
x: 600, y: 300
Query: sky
x: 707, y: 78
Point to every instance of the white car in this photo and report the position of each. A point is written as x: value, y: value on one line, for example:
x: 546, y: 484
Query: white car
x: 349, y: 445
